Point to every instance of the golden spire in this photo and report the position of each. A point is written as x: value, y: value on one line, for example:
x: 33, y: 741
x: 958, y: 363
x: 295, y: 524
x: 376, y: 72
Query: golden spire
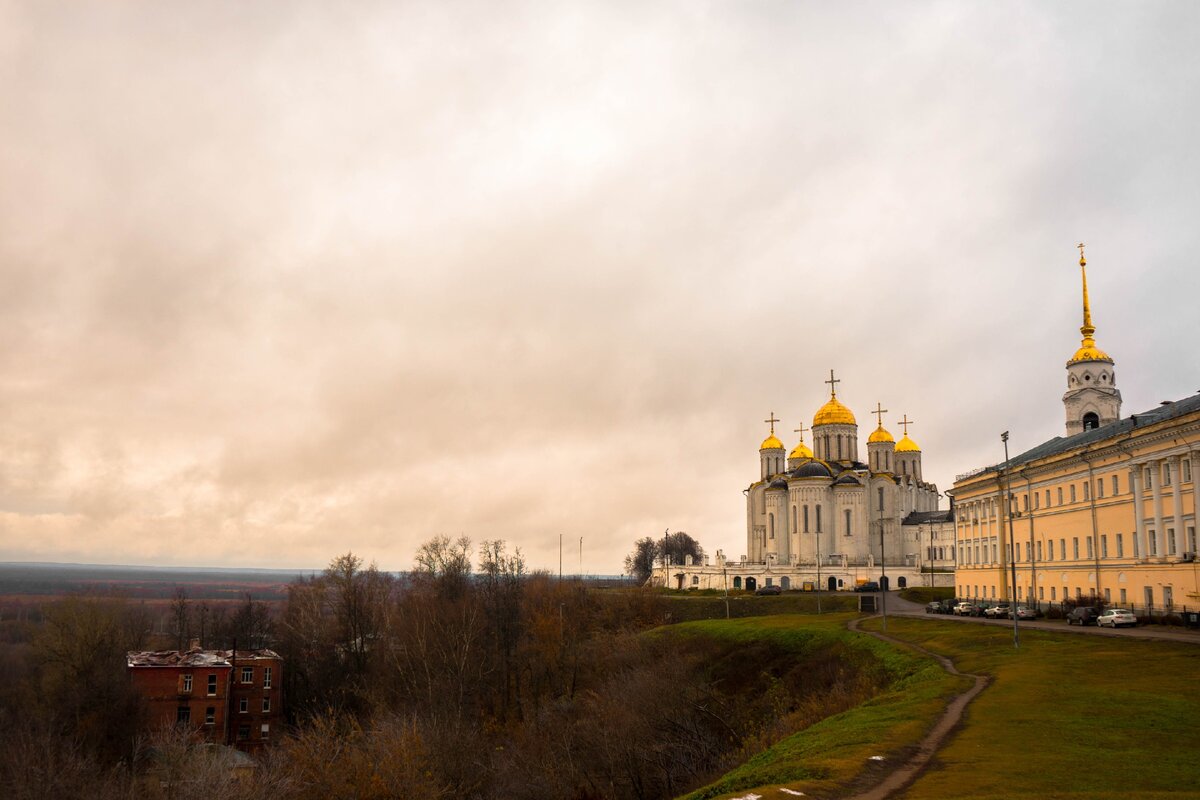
x: 1088, y: 330
x: 1087, y: 349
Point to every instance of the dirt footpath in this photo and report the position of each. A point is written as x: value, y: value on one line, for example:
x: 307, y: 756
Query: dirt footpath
x: 906, y: 773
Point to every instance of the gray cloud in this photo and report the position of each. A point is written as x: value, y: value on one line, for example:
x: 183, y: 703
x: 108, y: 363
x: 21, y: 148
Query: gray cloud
x: 281, y: 280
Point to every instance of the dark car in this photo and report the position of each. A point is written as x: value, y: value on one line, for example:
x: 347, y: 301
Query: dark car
x: 1083, y: 615
x: 869, y: 586
x: 934, y: 608
x: 769, y: 590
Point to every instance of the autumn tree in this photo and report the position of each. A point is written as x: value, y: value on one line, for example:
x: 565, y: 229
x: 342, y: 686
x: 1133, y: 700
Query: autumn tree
x: 640, y: 563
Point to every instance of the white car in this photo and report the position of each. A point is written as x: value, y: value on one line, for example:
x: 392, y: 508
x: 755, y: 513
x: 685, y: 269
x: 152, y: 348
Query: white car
x: 1116, y: 618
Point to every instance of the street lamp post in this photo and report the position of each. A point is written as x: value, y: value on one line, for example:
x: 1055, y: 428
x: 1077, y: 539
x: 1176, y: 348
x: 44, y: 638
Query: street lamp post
x: 882, y: 572
x: 1012, y: 548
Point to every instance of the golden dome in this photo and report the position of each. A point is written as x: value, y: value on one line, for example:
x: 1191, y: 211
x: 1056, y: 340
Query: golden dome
x: 834, y: 413
x: 907, y: 445
x: 771, y: 443
x: 880, y: 435
x: 1089, y: 352
x: 801, y: 451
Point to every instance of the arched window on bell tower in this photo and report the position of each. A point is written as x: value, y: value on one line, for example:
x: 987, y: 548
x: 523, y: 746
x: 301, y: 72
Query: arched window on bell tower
x: 1091, y: 420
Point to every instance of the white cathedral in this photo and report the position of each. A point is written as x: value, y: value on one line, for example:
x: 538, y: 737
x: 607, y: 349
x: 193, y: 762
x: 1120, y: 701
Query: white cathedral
x: 823, y: 515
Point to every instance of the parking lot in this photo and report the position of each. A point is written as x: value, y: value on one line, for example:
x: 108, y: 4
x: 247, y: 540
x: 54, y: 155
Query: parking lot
x: 899, y: 607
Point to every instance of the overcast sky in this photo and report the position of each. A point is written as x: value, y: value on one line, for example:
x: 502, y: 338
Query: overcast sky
x: 281, y: 280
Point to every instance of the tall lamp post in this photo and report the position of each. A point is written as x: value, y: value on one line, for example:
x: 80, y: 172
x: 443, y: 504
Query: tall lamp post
x: 1012, y: 547
x: 883, y: 588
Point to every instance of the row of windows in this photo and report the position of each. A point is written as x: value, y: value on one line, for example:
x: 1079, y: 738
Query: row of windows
x: 183, y: 715
x: 186, y: 686
x: 1072, y: 494
x: 247, y: 677
x: 1167, y: 597
x: 1175, y: 545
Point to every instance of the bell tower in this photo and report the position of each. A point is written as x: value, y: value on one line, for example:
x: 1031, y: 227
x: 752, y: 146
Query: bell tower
x: 1092, y: 398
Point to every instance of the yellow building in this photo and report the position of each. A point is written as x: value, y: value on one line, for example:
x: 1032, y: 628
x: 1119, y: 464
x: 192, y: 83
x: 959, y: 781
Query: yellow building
x: 1107, y: 510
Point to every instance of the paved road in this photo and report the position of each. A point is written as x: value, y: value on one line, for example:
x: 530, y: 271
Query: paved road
x: 903, y: 608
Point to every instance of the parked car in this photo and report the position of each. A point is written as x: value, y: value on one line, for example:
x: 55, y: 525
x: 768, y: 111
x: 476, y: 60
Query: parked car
x: 934, y: 608
x: 969, y: 609
x: 869, y: 586
x: 1025, y: 612
x: 998, y: 611
x: 1117, y: 618
x: 1083, y: 615
x: 766, y: 590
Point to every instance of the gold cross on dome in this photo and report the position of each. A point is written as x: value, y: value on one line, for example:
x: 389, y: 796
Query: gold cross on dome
x: 879, y: 412
x: 800, y: 431
x: 1080, y: 246
x: 906, y: 422
x: 772, y: 420
x: 833, y: 382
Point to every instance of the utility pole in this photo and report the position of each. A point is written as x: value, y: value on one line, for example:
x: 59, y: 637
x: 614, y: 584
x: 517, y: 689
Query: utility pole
x: 1012, y: 555
x: 818, y: 536
x: 560, y: 557
x: 882, y: 571
x: 725, y: 573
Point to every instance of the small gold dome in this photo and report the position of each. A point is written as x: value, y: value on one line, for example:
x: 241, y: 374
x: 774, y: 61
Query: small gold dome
x: 771, y: 443
x: 1090, y: 353
x: 834, y: 413
x: 907, y: 445
x: 880, y: 435
x: 801, y: 451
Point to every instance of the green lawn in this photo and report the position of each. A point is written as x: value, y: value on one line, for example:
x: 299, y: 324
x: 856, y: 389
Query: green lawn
x: 1067, y: 716
x: 830, y: 755
x: 686, y: 607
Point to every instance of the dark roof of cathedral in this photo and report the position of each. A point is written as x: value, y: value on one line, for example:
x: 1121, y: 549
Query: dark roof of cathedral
x: 778, y: 483
x: 1061, y: 444
x: 812, y: 469
x: 926, y: 517
x: 847, y: 478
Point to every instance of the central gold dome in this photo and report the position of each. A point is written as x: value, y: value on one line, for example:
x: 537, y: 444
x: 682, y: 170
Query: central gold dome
x: 907, y: 445
x: 834, y: 413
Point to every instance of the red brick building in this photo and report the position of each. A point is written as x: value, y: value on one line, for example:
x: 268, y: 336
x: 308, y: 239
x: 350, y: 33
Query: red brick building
x: 256, y: 698
x: 229, y: 697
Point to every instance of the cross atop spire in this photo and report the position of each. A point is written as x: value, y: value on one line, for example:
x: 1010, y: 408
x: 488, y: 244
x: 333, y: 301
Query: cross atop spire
x: 1082, y: 260
x: 906, y: 422
x: 772, y: 421
x: 833, y: 382
x: 800, y: 431
x: 879, y: 412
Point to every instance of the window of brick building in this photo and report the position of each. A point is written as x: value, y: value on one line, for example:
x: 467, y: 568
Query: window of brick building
x: 243, y: 731
x: 187, y: 684
x: 212, y: 685
x: 266, y: 705
x: 183, y: 714
x: 247, y: 674
x: 266, y: 677
x: 210, y: 716
x: 243, y: 706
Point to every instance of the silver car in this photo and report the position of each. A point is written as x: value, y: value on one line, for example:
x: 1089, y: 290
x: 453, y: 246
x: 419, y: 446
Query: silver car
x: 1116, y: 618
